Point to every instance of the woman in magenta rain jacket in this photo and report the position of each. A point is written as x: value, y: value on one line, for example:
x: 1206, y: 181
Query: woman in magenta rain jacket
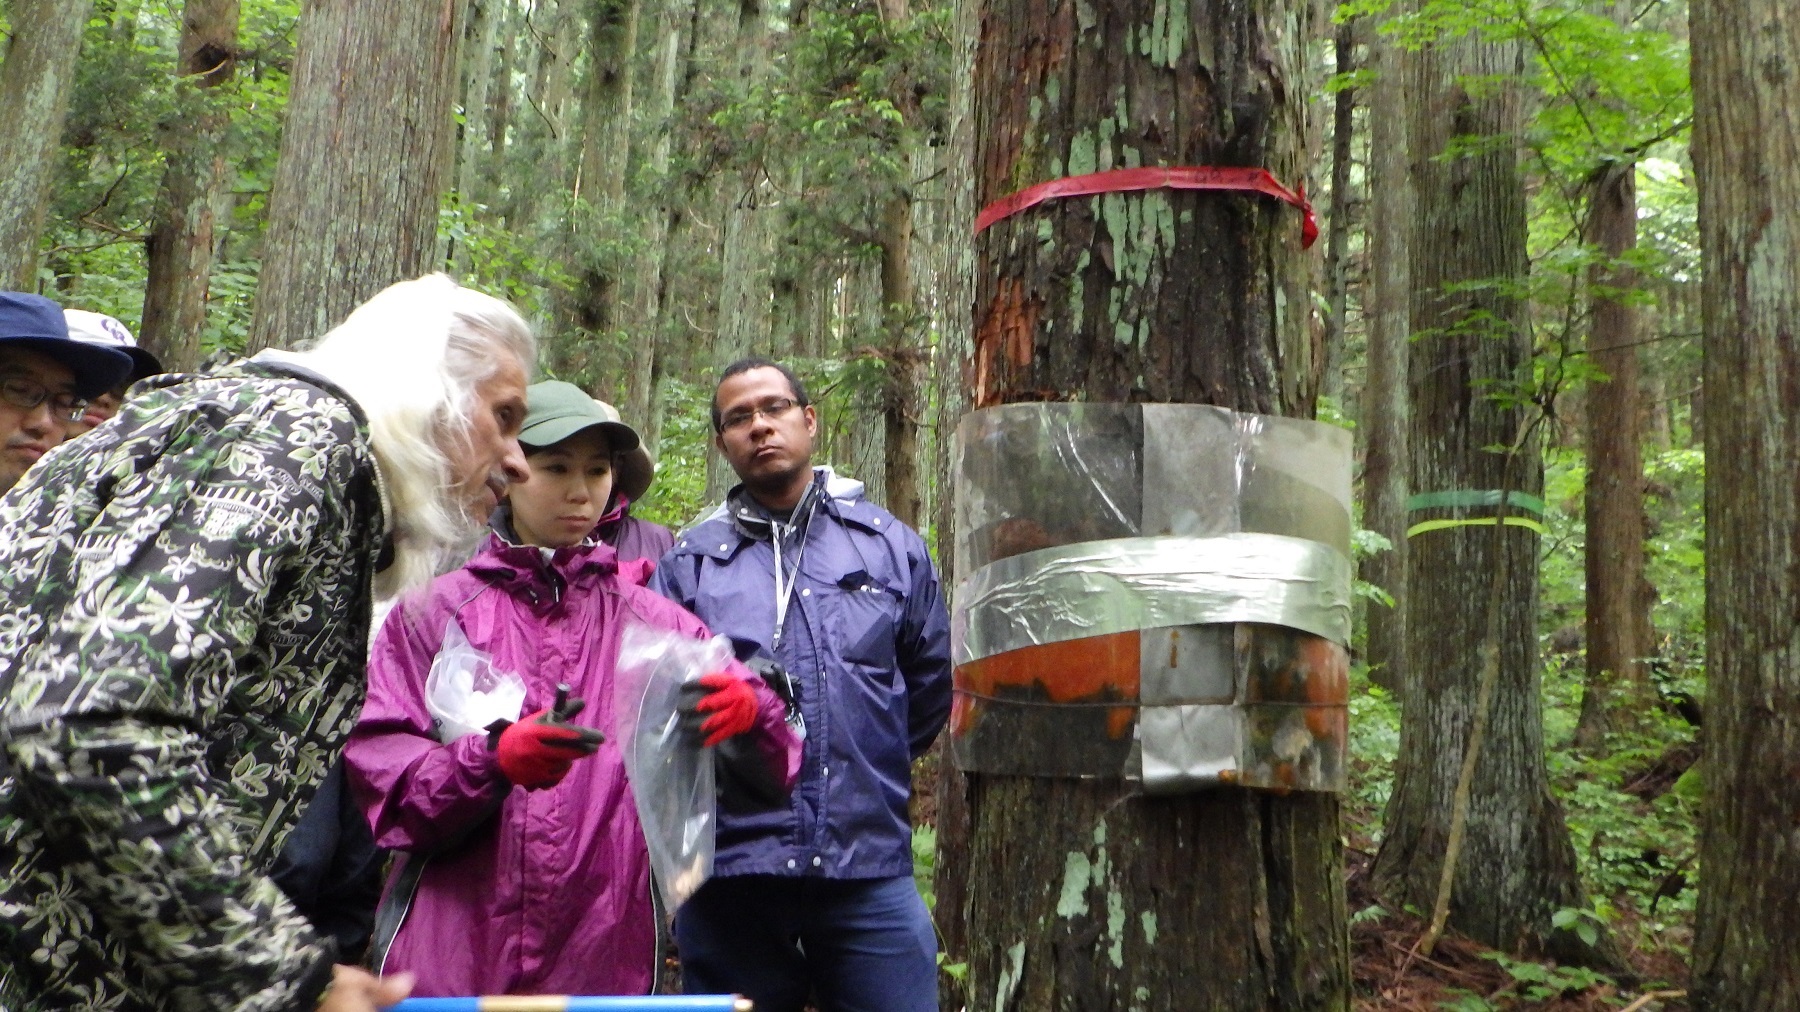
x: 501, y: 890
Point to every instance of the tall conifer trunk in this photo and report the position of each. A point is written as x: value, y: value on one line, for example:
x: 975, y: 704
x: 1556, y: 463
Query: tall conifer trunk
x: 1618, y: 595
x: 35, y: 76
x: 1078, y: 897
x: 1385, y: 414
x: 365, y: 157
x: 1747, y: 162
x: 180, y: 248
x: 1472, y: 595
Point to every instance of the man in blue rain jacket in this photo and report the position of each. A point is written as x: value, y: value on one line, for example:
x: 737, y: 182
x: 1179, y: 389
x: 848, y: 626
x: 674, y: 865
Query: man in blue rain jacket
x: 838, y: 601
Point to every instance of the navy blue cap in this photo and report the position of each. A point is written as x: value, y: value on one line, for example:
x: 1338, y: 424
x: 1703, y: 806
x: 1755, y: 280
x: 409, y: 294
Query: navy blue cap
x: 34, y: 323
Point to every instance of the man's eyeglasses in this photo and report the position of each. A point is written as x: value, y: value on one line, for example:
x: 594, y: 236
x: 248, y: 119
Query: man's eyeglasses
x: 27, y: 394
x: 742, y: 417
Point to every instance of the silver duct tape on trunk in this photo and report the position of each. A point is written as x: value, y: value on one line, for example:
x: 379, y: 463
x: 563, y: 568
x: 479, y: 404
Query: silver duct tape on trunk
x: 1097, y: 587
x: 1183, y: 523
x: 1182, y: 748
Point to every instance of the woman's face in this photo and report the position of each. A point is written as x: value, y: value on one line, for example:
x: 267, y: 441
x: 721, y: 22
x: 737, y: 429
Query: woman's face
x: 566, y: 494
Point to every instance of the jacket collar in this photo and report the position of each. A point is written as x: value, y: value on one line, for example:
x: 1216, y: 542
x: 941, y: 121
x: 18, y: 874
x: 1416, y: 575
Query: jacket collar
x: 287, y: 365
x: 754, y: 521
x: 504, y: 559
x: 838, y: 491
x: 274, y: 362
x: 836, y: 496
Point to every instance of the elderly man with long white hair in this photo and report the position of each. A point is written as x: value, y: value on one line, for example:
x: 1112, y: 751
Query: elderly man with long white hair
x: 184, y: 608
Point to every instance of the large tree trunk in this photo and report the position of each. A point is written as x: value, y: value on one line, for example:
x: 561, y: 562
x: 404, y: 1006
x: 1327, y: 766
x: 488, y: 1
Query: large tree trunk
x: 904, y: 374
x: 1337, y: 241
x: 951, y: 868
x: 905, y: 361
x: 1747, y: 161
x: 180, y: 248
x: 1385, y: 415
x: 606, y: 105
x: 542, y: 131
x: 856, y: 439
x: 645, y: 324
x: 1079, y: 897
x: 486, y: 19
x: 500, y: 101
x: 1618, y: 595
x: 748, y: 239
x: 1472, y: 590
x: 481, y: 43
x: 591, y: 307
x: 34, y: 100
x: 365, y: 157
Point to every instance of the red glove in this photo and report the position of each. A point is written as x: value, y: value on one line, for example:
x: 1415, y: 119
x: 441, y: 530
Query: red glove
x: 728, y: 699
x: 538, y: 751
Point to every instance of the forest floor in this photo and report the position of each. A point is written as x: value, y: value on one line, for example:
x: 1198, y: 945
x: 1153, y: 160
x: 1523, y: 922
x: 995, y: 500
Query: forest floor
x: 1461, y: 976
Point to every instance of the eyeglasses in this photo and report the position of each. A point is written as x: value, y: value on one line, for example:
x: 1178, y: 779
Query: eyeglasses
x: 742, y: 417
x: 27, y: 394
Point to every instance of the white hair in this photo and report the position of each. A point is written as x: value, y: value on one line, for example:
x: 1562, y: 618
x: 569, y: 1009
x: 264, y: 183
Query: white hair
x: 412, y: 357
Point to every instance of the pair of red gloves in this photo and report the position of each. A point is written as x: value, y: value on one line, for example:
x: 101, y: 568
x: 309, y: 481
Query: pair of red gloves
x: 538, y: 752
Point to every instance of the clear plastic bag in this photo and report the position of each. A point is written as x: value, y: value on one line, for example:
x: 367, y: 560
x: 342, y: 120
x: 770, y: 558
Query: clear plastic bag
x: 465, y: 692
x: 670, y: 772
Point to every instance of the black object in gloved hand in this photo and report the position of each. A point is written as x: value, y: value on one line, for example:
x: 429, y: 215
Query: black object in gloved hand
x: 538, y: 752
x: 746, y: 783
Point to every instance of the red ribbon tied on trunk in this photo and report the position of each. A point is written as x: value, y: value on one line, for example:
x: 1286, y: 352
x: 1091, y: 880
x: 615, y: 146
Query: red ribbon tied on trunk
x: 1192, y: 177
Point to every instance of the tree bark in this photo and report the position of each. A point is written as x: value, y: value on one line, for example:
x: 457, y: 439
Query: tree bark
x: 1618, y: 595
x: 951, y: 867
x: 905, y: 362
x: 904, y: 357
x: 1337, y: 240
x: 542, y: 131
x: 744, y: 293
x: 1385, y: 415
x: 855, y: 433
x: 365, y: 157
x: 644, y: 293
x: 1746, y: 153
x: 486, y: 18
x: 1469, y: 365
x: 34, y: 100
x: 180, y: 248
x: 1080, y: 896
x: 582, y: 351
x: 606, y: 106
x: 500, y: 100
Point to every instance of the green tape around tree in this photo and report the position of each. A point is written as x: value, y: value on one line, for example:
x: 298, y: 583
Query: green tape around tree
x: 1439, y: 500
x: 1437, y: 525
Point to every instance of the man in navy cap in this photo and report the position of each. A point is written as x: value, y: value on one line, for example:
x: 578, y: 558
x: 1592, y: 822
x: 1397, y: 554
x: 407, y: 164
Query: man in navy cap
x: 46, y: 378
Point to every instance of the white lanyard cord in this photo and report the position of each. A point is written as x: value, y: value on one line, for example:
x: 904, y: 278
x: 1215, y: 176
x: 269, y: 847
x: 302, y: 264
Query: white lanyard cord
x: 784, y: 587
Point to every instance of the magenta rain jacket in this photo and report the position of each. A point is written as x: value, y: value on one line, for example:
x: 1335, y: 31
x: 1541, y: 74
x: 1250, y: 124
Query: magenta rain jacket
x: 522, y: 892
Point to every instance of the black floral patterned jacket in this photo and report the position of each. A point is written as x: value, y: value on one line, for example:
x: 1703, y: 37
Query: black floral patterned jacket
x: 184, y: 609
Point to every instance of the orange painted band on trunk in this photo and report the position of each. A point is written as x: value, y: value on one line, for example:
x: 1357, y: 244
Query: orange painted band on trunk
x: 1094, y: 669
x: 1066, y: 671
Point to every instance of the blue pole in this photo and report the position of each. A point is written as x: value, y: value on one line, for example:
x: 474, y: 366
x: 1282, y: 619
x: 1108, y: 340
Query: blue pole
x: 578, y: 1003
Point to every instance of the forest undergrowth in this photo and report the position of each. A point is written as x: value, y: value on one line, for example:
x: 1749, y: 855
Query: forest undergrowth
x: 1631, y: 806
x: 1632, y: 817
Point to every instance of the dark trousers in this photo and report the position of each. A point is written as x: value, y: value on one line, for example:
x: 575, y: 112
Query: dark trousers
x: 856, y: 945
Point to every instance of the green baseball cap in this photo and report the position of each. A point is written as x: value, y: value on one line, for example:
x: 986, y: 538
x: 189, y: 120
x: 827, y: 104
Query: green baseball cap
x: 555, y: 410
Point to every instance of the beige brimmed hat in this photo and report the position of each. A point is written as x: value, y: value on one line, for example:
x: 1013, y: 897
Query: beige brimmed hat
x: 555, y: 410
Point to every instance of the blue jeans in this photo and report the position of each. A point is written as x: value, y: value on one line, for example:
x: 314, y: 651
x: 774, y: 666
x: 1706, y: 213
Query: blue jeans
x: 858, y: 945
